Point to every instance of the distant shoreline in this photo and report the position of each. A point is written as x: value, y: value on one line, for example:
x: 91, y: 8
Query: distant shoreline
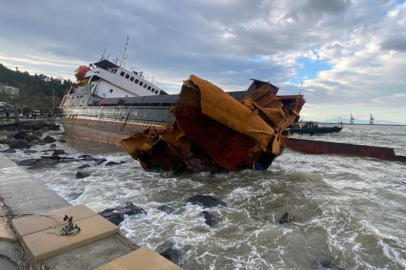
x: 360, y: 124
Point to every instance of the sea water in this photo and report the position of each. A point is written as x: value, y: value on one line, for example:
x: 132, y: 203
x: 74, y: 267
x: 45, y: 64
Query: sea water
x: 350, y: 211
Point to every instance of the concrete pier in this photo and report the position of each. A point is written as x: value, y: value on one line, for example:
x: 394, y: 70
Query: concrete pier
x: 20, y: 194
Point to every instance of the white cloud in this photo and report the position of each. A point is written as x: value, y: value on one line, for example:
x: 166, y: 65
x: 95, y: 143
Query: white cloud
x: 227, y: 42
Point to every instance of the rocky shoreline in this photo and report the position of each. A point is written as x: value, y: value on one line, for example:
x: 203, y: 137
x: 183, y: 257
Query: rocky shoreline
x: 27, y: 135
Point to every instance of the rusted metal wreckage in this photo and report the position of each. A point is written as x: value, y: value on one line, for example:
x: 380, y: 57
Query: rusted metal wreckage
x: 213, y: 132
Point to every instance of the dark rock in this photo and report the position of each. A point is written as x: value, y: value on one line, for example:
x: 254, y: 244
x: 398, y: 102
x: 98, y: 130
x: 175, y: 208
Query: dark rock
x: 287, y: 218
x: 52, y: 126
x: 6, y: 141
x: 86, y: 157
x: 52, y: 145
x: 30, y: 151
x: 165, y: 208
x: 99, y: 161
x: 111, y: 163
x: 169, y: 252
x: 67, y: 159
x: 206, y: 201
x: 20, y: 135
x: 19, y: 144
x: 43, y: 162
x: 9, y: 151
x: 116, y: 215
x: 31, y: 137
x: 84, y: 166
x: 48, y: 139
x: 74, y: 195
x: 33, y: 125
x: 28, y: 162
x: 58, y: 152
x: 82, y: 174
x: 210, y: 219
x: 62, y: 140
x: 37, y: 163
x: 327, y: 265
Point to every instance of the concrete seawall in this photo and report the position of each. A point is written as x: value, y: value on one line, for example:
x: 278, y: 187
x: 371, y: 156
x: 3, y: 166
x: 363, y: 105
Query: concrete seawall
x: 21, y: 193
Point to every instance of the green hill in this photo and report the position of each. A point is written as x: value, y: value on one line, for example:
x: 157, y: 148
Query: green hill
x: 36, y: 91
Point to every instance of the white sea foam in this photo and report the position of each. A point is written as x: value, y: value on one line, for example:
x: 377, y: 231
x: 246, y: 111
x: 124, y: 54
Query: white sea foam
x: 347, y: 210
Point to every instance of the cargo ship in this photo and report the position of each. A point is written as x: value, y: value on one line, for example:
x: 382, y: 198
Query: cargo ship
x: 203, y: 129
x: 112, y: 100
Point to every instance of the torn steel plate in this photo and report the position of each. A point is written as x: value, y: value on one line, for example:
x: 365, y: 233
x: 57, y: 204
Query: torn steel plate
x: 213, y: 132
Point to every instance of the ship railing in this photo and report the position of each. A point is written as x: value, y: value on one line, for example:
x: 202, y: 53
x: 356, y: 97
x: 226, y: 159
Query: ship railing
x: 141, y: 74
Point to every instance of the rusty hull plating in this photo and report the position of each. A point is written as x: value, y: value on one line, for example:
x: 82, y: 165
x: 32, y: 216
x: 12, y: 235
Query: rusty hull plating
x: 213, y: 132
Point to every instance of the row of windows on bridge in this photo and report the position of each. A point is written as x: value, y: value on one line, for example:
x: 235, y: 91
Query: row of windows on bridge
x: 131, y: 78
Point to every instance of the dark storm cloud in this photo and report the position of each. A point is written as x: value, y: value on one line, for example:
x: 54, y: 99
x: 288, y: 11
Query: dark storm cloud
x: 330, y: 6
x: 227, y: 41
x: 395, y: 43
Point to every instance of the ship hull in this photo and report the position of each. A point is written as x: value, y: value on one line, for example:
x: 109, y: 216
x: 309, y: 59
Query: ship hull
x: 101, y: 131
x: 111, y: 124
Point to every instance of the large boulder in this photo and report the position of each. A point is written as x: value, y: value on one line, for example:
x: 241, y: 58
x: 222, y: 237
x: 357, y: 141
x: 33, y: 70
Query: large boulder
x: 287, y: 218
x: 86, y: 157
x: 58, y: 152
x: 18, y: 144
x: 169, y: 252
x: 33, y: 125
x: 99, y: 160
x: 35, y: 163
x: 9, y: 151
x: 52, y: 126
x: 48, y: 139
x: 210, y: 219
x: 206, y: 201
x: 112, y: 163
x: 44, y: 162
x: 321, y: 265
x: 116, y: 215
x: 165, y: 208
x: 31, y: 137
x: 28, y: 162
x: 84, y: 166
x: 82, y: 174
x: 19, y: 135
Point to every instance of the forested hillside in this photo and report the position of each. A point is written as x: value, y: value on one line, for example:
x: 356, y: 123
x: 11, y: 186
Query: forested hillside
x: 36, y: 91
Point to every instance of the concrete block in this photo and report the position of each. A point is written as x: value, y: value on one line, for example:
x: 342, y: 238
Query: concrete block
x: 36, y: 223
x: 5, y: 162
x: 141, y: 259
x: 92, y: 255
x: 48, y: 243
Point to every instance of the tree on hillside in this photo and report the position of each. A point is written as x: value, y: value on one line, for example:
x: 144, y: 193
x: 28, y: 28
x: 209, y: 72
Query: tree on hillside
x: 36, y: 91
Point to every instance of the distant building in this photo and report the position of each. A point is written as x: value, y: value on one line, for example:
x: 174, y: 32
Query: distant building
x: 10, y: 90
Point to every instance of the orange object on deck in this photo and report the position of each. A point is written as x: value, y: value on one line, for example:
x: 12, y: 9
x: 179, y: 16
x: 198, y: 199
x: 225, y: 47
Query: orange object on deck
x: 80, y: 72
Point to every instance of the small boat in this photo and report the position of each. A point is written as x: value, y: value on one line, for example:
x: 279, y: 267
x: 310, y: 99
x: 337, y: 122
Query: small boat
x: 312, y: 128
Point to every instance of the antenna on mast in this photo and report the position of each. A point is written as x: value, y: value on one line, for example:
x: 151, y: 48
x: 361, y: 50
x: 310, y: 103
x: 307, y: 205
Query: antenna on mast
x: 104, y: 52
x: 124, y: 56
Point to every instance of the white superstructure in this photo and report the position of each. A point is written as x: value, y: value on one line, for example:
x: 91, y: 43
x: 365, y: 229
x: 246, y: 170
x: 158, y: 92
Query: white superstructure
x: 110, y: 78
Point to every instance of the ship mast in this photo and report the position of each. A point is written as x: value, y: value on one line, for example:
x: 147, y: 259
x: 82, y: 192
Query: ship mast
x: 124, y: 56
x: 351, y: 119
x: 371, y: 119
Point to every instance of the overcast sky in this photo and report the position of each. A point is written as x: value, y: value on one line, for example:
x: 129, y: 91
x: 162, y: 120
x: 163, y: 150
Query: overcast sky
x: 349, y: 54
